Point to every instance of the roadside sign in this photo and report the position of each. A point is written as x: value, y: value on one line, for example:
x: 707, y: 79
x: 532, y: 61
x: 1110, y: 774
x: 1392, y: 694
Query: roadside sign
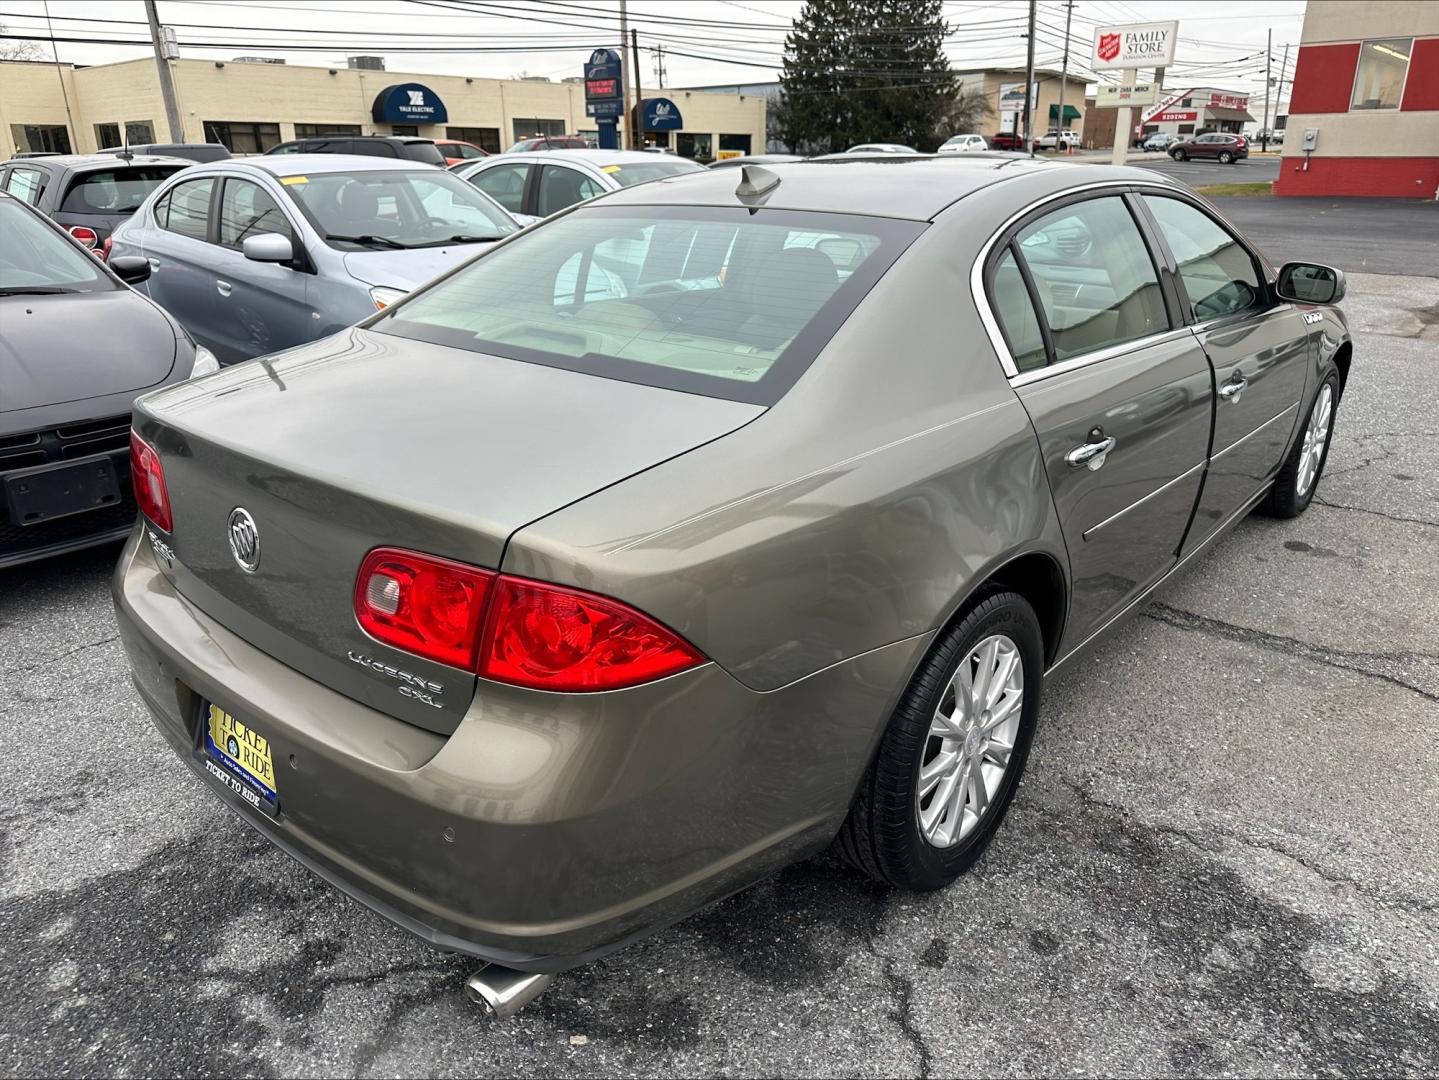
x: 1112, y: 97
x: 1134, y: 45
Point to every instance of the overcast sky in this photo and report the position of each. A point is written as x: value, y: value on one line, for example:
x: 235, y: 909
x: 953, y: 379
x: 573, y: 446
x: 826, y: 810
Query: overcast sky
x: 1221, y: 42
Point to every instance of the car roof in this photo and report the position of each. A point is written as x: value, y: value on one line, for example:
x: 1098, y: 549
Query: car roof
x: 81, y: 162
x: 294, y: 164
x: 911, y: 186
x: 595, y: 158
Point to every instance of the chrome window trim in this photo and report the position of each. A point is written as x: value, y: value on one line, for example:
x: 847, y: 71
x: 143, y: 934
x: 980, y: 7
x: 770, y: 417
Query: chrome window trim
x: 1074, y: 363
x: 1160, y: 490
x: 991, y: 321
x: 1245, y: 438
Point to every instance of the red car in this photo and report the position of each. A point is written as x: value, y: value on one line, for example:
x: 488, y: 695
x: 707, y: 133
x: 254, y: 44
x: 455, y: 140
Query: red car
x: 1006, y: 140
x: 1223, y: 147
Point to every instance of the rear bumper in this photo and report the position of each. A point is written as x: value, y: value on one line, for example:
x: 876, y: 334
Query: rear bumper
x: 549, y: 828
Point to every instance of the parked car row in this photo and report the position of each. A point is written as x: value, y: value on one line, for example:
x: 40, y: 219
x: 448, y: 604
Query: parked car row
x: 635, y: 548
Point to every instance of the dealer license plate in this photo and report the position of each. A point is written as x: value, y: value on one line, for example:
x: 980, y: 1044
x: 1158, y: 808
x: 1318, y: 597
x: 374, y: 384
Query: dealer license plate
x: 241, y: 757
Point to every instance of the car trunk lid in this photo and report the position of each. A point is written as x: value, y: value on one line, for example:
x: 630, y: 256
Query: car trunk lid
x: 345, y: 445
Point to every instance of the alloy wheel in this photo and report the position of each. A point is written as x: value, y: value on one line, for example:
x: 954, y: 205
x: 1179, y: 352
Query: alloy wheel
x: 1316, y: 438
x: 970, y: 740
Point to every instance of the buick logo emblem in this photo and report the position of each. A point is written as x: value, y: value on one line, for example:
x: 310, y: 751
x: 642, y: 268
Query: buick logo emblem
x: 244, y: 540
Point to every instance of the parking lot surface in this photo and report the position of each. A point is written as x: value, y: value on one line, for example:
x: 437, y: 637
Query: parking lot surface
x: 1225, y: 856
x: 1250, y: 170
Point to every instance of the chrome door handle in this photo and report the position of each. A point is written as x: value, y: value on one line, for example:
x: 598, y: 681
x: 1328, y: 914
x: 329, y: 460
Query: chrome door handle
x: 1231, y: 390
x: 1092, y: 454
x: 224, y: 287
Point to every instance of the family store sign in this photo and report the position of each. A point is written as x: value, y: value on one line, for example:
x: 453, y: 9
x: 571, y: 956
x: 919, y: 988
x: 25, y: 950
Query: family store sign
x: 1136, y: 45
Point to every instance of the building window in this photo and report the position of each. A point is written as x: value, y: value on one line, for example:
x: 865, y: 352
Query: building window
x: 735, y: 142
x: 1186, y: 103
x: 106, y: 136
x: 487, y: 139
x: 1379, y: 78
x: 404, y: 129
x: 32, y: 138
x: 1186, y: 129
x: 310, y: 131
x: 139, y: 132
x: 243, y: 136
x: 534, y: 127
x: 696, y: 145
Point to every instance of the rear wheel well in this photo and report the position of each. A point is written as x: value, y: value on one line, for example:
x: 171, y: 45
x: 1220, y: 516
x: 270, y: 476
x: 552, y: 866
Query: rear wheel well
x: 1341, y: 361
x: 1040, y: 581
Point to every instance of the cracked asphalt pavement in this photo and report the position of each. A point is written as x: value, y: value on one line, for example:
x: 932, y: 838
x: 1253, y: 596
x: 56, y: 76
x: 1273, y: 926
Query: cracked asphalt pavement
x: 1224, y: 857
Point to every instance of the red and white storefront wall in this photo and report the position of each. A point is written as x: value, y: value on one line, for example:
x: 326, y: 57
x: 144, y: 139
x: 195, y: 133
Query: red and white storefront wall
x: 1363, y: 149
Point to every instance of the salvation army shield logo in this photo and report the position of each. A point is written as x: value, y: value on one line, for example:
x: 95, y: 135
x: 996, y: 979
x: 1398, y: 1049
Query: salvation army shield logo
x: 1108, y: 46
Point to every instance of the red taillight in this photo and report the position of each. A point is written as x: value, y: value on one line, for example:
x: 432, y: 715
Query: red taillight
x: 553, y: 638
x: 87, y: 236
x: 105, y: 249
x: 510, y: 629
x: 424, y: 605
x: 148, y: 477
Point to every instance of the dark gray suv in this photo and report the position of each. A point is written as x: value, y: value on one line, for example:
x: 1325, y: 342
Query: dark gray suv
x: 391, y: 146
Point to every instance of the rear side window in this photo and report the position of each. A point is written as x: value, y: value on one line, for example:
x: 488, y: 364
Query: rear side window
x: 505, y: 184
x: 1095, y: 280
x: 1219, y: 275
x: 26, y: 184
x: 185, y: 209
x: 1016, y: 314
x: 247, y: 209
x: 717, y: 301
x: 429, y: 153
x: 114, y: 191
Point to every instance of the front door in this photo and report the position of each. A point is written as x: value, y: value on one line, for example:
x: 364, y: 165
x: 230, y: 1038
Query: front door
x: 1119, y: 397
x: 1257, y: 345
x: 261, y: 307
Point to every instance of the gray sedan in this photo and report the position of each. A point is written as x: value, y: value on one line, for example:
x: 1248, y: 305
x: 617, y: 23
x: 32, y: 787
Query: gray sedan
x: 634, y: 561
x: 258, y: 254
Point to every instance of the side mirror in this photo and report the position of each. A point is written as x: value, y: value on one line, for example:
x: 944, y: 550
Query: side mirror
x: 1310, y: 283
x: 268, y: 247
x: 131, y: 269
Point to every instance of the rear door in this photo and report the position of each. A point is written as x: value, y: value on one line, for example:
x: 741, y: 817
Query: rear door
x: 1119, y: 394
x: 1256, y: 343
x: 261, y: 307
x: 182, y: 275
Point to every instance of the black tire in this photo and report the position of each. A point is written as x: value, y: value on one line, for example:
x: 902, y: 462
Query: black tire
x: 1179, y: 155
x: 1226, y: 158
x: 882, y: 835
x: 1285, y: 500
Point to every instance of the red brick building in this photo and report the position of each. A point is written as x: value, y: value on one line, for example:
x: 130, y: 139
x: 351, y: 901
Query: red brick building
x: 1367, y: 84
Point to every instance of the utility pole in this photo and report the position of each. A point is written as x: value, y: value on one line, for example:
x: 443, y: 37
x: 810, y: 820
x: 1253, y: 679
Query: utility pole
x: 1064, y: 72
x: 1029, y: 84
x: 1268, y: 81
x: 638, y: 134
x: 1279, y: 95
x: 167, y: 82
x: 660, y: 64
x: 624, y: 82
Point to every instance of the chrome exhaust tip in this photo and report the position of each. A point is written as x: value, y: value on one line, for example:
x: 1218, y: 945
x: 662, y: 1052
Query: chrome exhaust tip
x: 502, y: 991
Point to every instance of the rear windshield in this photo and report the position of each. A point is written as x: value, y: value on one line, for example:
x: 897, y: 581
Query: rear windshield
x: 115, y: 191
x: 34, y: 258
x: 724, y: 302
x: 629, y: 174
